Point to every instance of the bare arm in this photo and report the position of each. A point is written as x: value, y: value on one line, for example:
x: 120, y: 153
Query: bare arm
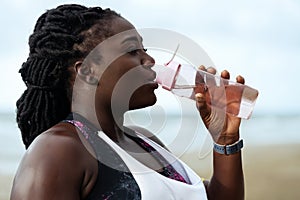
x: 227, y: 181
x: 52, y: 168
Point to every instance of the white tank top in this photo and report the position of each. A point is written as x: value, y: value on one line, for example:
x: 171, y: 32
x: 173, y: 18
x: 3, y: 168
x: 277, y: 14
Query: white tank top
x: 156, y: 186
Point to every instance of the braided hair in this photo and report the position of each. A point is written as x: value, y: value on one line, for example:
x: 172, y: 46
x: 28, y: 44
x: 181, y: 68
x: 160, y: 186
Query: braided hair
x: 61, y: 36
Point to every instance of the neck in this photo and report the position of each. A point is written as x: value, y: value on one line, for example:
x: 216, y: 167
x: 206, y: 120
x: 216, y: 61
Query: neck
x: 111, y: 125
x: 100, y: 114
x: 104, y: 120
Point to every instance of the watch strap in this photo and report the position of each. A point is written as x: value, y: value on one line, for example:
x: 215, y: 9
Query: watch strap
x: 229, y: 149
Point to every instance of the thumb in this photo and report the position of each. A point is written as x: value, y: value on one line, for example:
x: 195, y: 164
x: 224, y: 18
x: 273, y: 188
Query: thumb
x: 211, y: 118
x: 202, y: 106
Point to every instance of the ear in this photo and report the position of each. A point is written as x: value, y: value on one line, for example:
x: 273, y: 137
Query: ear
x: 85, y: 73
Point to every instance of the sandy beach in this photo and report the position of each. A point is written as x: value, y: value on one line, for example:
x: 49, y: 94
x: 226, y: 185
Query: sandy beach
x: 271, y: 172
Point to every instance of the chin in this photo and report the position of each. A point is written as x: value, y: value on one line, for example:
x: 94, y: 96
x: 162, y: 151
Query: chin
x: 146, y: 101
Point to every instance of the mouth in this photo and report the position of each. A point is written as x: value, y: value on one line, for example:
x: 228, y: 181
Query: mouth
x: 149, y: 78
x: 152, y: 76
x: 152, y: 83
x: 152, y: 79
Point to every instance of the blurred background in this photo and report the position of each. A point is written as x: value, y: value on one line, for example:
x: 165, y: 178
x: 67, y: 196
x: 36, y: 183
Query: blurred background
x: 258, y: 39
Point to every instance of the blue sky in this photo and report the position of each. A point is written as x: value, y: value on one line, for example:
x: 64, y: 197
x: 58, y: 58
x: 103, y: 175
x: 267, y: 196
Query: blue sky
x: 258, y: 39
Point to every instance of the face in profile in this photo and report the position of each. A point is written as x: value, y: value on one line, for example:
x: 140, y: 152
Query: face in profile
x: 126, y: 80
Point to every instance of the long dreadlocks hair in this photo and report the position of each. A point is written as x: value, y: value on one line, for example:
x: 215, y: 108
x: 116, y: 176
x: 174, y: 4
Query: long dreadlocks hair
x: 61, y: 36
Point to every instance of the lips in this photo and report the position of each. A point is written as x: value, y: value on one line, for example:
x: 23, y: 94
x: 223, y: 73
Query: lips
x: 148, y: 77
x: 148, y: 73
x: 152, y: 77
x: 151, y: 80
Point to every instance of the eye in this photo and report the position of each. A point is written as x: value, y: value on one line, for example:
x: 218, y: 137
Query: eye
x: 135, y: 51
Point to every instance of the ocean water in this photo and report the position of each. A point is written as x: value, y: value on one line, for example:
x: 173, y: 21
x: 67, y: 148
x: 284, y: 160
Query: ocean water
x: 181, y: 135
x: 11, y: 146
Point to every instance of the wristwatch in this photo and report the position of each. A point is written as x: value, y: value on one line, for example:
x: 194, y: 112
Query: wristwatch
x: 229, y: 149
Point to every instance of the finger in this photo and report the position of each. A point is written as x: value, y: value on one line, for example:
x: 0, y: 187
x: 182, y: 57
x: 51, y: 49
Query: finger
x: 202, y: 105
x: 199, y: 75
x: 240, y: 79
x: 200, y: 100
x: 202, y: 67
x: 210, y: 79
x: 207, y: 78
x: 211, y: 70
x: 225, y: 74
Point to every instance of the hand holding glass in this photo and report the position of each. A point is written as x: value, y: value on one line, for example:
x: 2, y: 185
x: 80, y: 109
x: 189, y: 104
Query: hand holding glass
x: 185, y: 80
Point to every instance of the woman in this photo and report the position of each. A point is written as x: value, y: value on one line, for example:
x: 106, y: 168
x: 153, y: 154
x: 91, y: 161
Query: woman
x: 71, y: 115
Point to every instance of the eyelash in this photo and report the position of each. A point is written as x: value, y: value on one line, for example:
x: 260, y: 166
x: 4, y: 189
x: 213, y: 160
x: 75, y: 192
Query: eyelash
x: 135, y: 51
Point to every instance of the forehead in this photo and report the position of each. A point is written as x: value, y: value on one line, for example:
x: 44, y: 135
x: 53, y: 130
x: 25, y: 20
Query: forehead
x: 110, y: 48
x: 119, y: 25
x: 121, y: 32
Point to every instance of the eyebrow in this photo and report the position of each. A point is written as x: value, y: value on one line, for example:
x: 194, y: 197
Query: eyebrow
x: 133, y: 38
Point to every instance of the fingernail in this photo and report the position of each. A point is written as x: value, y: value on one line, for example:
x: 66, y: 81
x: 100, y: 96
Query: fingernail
x: 199, y: 96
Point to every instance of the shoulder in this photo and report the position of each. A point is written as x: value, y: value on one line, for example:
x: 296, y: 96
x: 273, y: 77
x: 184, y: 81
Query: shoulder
x: 55, y: 163
x: 147, y: 134
x: 55, y: 145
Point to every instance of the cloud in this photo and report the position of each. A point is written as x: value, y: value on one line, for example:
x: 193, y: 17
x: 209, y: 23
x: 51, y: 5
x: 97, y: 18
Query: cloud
x: 259, y: 39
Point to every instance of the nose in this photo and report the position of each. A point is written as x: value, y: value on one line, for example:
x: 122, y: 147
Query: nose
x: 148, y: 60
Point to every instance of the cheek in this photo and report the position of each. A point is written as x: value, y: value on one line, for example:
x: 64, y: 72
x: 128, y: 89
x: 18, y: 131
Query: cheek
x: 126, y: 85
x: 120, y: 72
x: 123, y: 79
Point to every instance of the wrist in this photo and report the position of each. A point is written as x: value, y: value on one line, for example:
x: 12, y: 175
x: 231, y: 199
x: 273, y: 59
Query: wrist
x: 229, y: 149
x: 228, y: 139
